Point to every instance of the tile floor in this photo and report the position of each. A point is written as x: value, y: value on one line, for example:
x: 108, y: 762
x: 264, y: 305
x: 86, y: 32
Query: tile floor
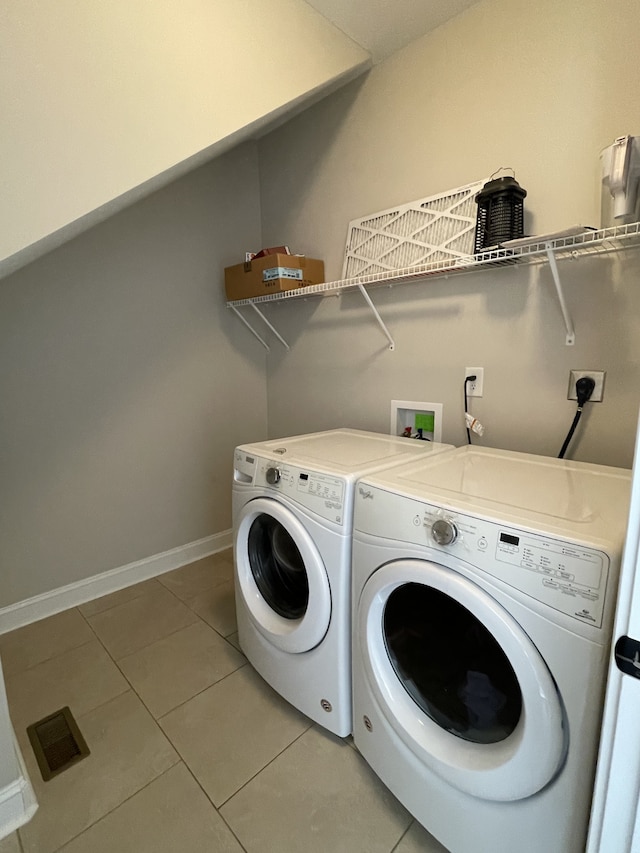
x: 191, y: 752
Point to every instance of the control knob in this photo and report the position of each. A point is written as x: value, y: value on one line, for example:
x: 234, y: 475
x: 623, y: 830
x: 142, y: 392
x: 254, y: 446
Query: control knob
x: 273, y: 476
x: 444, y: 532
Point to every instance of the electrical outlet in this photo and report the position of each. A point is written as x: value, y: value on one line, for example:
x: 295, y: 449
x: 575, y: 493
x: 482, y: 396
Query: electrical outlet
x: 597, y: 376
x: 474, y: 389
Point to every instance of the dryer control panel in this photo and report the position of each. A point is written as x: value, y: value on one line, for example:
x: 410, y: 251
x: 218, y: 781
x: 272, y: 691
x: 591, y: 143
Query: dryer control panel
x: 570, y: 578
x: 323, y: 494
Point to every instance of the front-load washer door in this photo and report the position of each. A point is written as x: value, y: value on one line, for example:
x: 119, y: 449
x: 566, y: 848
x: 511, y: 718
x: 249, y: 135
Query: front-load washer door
x: 281, y: 576
x: 460, y: 681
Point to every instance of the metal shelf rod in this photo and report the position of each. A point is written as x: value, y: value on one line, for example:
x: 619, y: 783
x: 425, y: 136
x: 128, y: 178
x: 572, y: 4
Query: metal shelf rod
x: 376, y: 314
x: 267, y: 323
x: 568, y: 322
x: 249, y: 326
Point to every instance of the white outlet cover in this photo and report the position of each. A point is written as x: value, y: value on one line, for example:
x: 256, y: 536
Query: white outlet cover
x: 598, y: 377
x: 475, y: 389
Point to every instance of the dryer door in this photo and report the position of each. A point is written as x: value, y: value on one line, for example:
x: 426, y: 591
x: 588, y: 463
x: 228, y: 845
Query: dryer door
x: 459, y: 681
x: 281, y: 576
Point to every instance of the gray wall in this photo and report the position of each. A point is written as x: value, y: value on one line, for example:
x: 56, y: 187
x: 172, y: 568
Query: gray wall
x: 540, y: 88
x: 125, y: 384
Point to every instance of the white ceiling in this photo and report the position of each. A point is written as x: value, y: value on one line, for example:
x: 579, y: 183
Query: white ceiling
x: 384, y: 26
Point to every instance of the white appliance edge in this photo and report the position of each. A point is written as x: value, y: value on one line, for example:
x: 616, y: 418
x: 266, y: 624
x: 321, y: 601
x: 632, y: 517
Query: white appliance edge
x: 615, y: 814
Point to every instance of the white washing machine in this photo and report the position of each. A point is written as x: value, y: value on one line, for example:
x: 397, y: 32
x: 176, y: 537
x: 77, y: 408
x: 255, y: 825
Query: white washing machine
x: 483, y: 592
x: 292, y: 520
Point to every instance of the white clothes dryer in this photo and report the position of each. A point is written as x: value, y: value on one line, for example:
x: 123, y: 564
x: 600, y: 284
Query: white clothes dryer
x: 292, y: 524
x: 483, y: 592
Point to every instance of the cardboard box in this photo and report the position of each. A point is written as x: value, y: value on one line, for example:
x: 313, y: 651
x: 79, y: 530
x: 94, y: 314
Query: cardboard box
x: 271, y: 274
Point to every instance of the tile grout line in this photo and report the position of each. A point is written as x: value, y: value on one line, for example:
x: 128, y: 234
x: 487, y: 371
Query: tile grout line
x: 144, y: 704
x: 161, y: 731
x: 9, y: 675
x: 171, y: 710
x: 164, y: 637
x: 195, y: 695
x: 398, y: 842
x: 113, y: 606
x: 184, y: 760
x: 191, y: 598
x: 131, y: 688
x: 88, y: 711
x: 200, y: 693
x: 179, y: 760
x: 271, y: 760
x: 172, y: 634
x: 155, y: 578
x: 115, y: 808
x: 244, y: 784
x: 205, y: 589
x: 213, y: 806
x: 186, y: 764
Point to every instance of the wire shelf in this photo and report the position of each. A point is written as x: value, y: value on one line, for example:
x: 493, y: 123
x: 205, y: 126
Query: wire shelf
x: 538, y: 251
x: 602, y: 241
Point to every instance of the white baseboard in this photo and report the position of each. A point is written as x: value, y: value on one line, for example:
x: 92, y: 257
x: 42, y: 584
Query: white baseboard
x: 49, y: 603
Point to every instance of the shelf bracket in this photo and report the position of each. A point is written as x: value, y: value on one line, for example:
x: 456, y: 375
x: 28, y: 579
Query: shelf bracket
x: 568, y: 322
x: 249, y: 326
x: 392, y: 344
x: 265, y: 321
x: 268, y: 324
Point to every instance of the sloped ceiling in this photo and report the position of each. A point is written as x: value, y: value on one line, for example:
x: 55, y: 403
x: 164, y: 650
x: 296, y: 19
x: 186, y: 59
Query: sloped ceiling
x: 382, y: 27
x: 103, y: 102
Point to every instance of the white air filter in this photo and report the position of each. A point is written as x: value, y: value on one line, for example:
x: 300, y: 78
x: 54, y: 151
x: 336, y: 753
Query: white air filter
x: 437, y: 228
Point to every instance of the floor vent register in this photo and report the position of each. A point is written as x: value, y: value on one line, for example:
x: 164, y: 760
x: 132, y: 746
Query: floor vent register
x: 57, y: 743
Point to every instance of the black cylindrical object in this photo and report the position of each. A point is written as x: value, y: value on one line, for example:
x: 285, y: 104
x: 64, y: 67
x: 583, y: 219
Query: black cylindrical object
x: 500, y: 213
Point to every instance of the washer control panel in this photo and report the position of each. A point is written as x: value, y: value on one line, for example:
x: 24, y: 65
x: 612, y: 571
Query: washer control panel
x: 324, y: 494
x: 568, y: 577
